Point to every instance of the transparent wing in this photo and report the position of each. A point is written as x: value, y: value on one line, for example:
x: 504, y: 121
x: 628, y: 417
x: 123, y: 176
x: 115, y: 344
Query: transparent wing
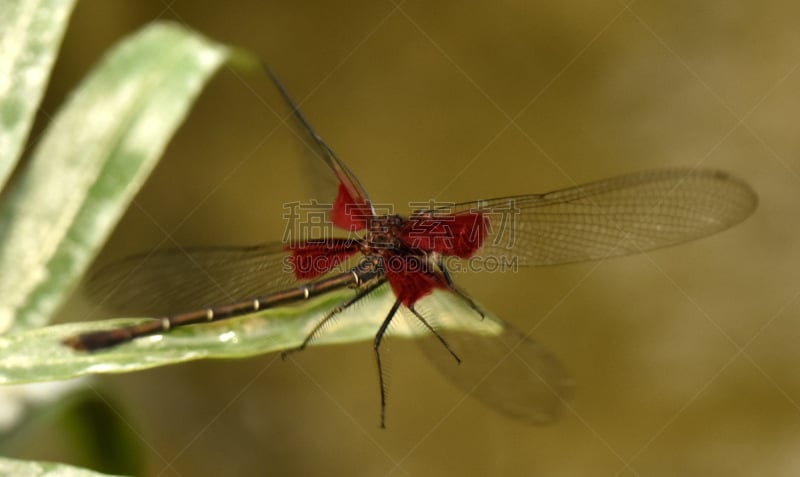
x: 618, y: 216
x: 350, y: 196
x: 500, y: 366
x: 169, y: 281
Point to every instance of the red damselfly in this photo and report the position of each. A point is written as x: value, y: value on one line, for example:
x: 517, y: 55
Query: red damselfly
x: 613, y: 217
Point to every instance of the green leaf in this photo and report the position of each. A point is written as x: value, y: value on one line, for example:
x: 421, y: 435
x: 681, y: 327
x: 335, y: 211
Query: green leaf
x: 95, y: 156
x: 39, y: 355
x: 20, y: 468
x: 30, y: 33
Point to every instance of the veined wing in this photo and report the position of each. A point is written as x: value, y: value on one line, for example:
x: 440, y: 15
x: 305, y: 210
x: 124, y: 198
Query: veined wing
x: 351, y: 206
x: 500, y: 366
x: 177, y: 280
x: 618, y: 216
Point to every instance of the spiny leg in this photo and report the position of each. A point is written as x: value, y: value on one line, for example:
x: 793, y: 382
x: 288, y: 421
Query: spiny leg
x: 377, y: 346
x: 435, y: 333
x: 340, y: 308
x: 455, y: 289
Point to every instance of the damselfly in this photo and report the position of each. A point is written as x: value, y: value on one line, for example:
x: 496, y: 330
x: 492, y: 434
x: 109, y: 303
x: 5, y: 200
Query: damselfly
x: 411, y: 254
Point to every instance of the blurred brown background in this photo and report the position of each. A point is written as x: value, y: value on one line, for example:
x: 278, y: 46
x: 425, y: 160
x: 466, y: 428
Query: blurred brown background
x: 685, y: 359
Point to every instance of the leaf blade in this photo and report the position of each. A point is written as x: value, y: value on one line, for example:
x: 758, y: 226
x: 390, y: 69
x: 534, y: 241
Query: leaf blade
x: 30, y: 34
x: 95, y: 156
x: 23, y: 468
x: 39, y: 355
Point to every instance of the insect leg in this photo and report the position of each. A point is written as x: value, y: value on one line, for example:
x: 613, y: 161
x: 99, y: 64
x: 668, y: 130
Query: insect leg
x: 315, y: 331
x: 377, y: 346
